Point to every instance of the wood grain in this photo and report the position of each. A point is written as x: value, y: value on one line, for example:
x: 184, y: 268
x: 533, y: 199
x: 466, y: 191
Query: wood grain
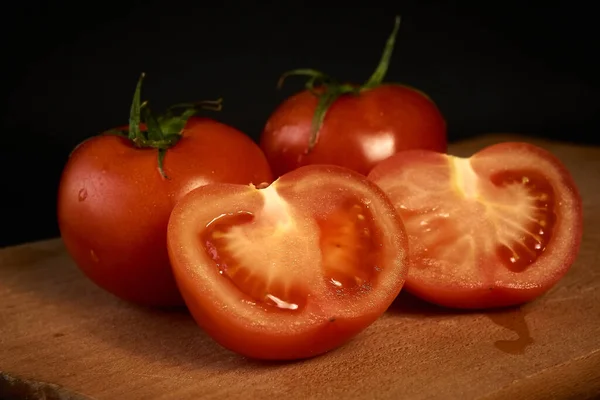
x: 57, y: 327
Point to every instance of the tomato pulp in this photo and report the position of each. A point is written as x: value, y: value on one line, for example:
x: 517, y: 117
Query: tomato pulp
x: 291, y: 270
x: 496, y: 229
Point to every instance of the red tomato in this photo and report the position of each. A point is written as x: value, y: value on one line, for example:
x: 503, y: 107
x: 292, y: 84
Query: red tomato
x: 496, y: 229
x: 291, y: 270
x: 350, y: 125
x: 114, y: 203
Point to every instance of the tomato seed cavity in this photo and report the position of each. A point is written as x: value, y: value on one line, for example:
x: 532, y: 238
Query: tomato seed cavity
x: 536, y: 235
x: 349, y: 240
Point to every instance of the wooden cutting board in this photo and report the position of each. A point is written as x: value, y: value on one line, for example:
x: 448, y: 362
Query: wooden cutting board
x: 61, y: 337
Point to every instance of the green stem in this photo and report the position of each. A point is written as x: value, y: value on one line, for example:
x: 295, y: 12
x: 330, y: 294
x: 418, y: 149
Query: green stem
x: 382, y: 68
x: 213, y: 105
x: 331, y: 90
x: 135, y: 133
x: 314, y: 77
x: 325, y: 101
x: 163, y: 131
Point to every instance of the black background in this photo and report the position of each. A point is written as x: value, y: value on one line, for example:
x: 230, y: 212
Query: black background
x: 70, y: 71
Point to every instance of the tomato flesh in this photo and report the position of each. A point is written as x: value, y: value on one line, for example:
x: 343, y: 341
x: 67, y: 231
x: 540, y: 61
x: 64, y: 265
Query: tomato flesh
x: 496, y: 229
x: 291, y: 270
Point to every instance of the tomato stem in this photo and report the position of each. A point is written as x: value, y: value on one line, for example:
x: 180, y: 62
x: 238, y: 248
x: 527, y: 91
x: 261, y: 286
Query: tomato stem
x: 382, y: 68
x: 135, y: 133
x: 328, y: 90
x: 314, y: 75
x: 161, y: 132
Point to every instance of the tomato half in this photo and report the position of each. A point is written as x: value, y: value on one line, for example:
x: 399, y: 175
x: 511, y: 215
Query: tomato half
x: 114, y: 204
x: 496, y: 229
x: 291, y: 270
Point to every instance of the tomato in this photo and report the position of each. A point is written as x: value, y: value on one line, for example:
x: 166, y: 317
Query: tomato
x: 290, y: 270
x: 497, y: 229
x: 350, y: 125
x: 114, y: 203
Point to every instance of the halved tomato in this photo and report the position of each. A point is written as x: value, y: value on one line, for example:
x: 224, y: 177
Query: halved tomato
x: 290, y: 270
x: 496, y: 229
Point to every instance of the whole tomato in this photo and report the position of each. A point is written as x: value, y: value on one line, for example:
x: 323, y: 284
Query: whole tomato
x: 351, y: 125
x: 118, y: 189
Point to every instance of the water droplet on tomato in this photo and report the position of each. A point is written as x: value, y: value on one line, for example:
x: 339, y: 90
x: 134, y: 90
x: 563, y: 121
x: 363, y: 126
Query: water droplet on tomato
x: 94, y: 256
x: 336, y: 283
x: 82, y: 195
x: 282, y: 303
x: 263, y: 185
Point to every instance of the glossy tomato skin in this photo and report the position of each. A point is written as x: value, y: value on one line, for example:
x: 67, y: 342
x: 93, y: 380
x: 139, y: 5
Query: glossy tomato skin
x: 464, y: 215
x: 114, y: 205
x: 358, y: 131
x: 301, y: 233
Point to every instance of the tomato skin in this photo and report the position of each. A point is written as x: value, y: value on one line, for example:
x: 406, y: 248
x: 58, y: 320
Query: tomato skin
x: 114, y: 205
x: 358, y: 131
x: 327, y: 320
x: 420, y: 181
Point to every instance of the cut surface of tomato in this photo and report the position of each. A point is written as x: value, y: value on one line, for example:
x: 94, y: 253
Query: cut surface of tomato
x: 496, y: 229
x: 291, y: 270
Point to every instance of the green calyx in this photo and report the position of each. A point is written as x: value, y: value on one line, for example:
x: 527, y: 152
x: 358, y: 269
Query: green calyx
x: 329, y: 90
x: 163, y: 131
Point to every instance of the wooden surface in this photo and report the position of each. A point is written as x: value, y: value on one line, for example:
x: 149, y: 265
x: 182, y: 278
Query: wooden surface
x: 57, y: 327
